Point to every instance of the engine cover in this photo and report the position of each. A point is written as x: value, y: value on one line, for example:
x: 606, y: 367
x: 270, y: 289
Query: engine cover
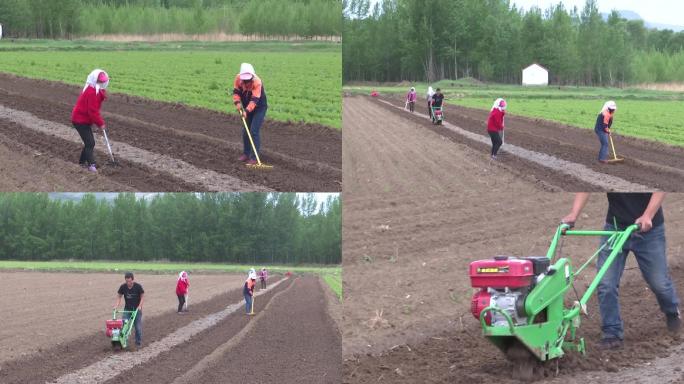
x: 507, y: 301
x: 481, y: 300
x: 501, y: 272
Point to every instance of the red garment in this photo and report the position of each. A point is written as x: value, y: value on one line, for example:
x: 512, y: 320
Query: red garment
x: 182, y: 287
x: 495, y: 123
x: 87, y: 108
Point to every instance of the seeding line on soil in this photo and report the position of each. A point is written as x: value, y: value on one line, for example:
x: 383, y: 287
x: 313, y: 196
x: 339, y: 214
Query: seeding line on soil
x: 579, y: 171
x: 309, y: 164
x: 211, y: 180
x: 211, y: 359
x: 114, y: 365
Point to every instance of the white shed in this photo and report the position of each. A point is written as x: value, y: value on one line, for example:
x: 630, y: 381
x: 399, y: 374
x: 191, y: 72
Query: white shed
x: 535, y: 74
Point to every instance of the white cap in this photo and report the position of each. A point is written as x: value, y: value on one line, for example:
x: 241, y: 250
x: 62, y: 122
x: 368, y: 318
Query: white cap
x: 246, y: 71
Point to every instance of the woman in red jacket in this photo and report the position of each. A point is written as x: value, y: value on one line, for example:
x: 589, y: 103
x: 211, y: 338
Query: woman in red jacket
x: 182, y: 286
x: 87, y: 112
x: 495, y: 125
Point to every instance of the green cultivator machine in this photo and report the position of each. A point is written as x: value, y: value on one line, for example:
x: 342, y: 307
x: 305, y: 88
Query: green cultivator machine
x: 521, y: 301
x: 119, y: 329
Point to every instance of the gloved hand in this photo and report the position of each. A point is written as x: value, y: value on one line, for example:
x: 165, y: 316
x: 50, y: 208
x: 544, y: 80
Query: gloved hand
x: 607, y: 130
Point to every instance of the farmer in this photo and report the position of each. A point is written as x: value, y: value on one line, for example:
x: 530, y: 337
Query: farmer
x: 604, y: 121
x: 648, y: 246
x: 182, y: 285
x: 133, y: 294
x: 248, y: 290
x: 430, y: 93
x: 263, y: 275
x: 411, y: 99
x: 495, y: 125
x: 249, y: 96
x: 86, y: 112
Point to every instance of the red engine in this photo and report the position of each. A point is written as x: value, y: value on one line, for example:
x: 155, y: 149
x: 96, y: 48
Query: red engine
x: 113, y: 325
x: 501, y: 272
x: 504, y: 282
x: 481, y: 300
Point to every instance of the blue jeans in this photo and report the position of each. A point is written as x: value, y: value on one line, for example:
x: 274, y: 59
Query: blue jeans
x: 603, y: 138
x: 649, y: 250
x: 248, y: 303
x: 254, y: 122
x: 138, y: 326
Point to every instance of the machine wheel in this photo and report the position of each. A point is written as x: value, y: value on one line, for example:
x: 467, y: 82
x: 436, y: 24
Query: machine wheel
x: 116, y: 346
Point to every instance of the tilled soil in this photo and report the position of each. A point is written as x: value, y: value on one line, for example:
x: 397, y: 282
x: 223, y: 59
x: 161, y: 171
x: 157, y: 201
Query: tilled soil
x: 413, y: 221
x: 52, y: 362
x: 306, y: 157
x: 652, y: 164
x: 462, y: 355
x: 295, y: 342
x: 44, y: 173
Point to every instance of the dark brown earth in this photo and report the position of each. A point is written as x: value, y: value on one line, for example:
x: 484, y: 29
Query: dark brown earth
x: 419, y: 207
x: 463, y: 355
x: 54, y: 362
x: 295, y: 342
x: 306, y: 157
x: 649, y: 163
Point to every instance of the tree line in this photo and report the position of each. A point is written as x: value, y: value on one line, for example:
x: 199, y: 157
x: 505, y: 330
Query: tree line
x: 210, y: 227
x: 492, y: 40
x: 72, y: 18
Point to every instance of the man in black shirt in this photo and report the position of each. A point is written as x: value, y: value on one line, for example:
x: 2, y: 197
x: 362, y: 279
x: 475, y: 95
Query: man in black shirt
x: 437, y: 99
x: 133, y: 294
x: 648, y: 246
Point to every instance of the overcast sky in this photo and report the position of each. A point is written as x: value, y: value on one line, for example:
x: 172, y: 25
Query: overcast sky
x: 655, y: 11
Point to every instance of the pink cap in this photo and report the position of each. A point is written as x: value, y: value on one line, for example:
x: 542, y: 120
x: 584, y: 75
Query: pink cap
x: 246, y: 76
x: 102, y: 77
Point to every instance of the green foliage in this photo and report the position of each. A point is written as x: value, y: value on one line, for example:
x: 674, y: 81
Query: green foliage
x: 301, y: 86
x: 156, y: 267
x: 68, y: 18
x: 235, y: 228
x: 334, y: 281
x: 646, y: 114
x: 429, y: 40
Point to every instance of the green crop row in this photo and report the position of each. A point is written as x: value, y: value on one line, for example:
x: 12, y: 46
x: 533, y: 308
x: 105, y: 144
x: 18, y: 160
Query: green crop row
x: 647, y: 114
x: 334, y: 281
x: 301, y: 86
x: 156, y: 267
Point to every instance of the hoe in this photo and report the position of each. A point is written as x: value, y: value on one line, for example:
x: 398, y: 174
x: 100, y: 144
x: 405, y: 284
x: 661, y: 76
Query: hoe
x: 109, y: 148
x: 259, y: 164
x: 521, y: 300
x: 615, y: 158
x: 119, y: 329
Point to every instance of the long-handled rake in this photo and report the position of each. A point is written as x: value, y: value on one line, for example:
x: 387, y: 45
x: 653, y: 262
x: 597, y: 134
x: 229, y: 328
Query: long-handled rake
x: 259, y: 164
x: 109, y: 147
x: 615, y: 158
x: 252, y: 309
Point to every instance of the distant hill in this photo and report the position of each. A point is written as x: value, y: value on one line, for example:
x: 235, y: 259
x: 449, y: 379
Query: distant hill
x: 631, y: 15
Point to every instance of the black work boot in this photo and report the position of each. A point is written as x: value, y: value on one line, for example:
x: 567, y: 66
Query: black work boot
x: 674, y: 323
x: 610, y: 343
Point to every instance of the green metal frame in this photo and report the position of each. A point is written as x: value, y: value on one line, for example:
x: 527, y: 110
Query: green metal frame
x: 551, y: 328
x: 122, y: 338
